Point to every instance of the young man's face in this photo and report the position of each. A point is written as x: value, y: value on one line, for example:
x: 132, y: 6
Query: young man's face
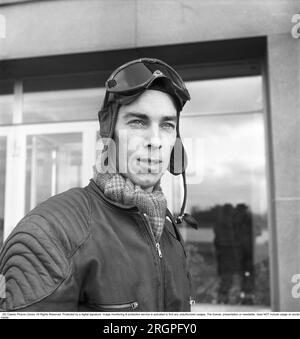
x: 148, y: 127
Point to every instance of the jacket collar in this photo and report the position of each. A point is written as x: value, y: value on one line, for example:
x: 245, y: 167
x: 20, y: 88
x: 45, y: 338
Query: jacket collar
x: 96, y: 189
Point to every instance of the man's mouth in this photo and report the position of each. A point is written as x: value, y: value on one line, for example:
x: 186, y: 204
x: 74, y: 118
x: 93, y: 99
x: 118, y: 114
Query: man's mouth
x: 149, y: 161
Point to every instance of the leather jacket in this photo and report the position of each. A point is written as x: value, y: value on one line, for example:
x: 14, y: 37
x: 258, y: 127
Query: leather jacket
x: 80, y: 251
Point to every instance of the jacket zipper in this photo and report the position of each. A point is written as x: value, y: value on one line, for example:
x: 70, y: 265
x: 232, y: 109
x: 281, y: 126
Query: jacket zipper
x: 159, y: 253
x: 158, y: 249
x: 132, y: 305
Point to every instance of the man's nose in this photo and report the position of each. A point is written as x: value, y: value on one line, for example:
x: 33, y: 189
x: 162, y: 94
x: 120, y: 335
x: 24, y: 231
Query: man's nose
x: 154, y: 137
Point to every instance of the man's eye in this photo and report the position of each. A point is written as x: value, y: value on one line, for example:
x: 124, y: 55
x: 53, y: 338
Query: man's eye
x: 168, y: 125
x: 137, y: 123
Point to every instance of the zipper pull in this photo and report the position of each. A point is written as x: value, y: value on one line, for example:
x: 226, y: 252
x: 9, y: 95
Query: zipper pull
x: 134, y: 305
x: 158, y: 250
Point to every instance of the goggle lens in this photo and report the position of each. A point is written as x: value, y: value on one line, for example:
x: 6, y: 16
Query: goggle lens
x: 130, y: 77
x: 139, y: 74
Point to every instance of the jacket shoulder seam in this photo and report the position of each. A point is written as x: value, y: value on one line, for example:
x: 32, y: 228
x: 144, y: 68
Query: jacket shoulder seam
x: 48, y: 294
x: 67, y: 255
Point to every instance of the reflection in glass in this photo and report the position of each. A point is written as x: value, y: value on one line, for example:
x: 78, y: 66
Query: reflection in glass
x: 231, y: 162
x: 53, y: 165
x: 2, y: 184
x: 228, y: 255
x: 66, y: 105
x: 226, y: 176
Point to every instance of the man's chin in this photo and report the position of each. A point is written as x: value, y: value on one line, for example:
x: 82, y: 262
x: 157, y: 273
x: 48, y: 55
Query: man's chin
x: 145, y: 180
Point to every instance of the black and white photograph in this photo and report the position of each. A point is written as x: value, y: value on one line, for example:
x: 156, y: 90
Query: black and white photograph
x: 149, y: 158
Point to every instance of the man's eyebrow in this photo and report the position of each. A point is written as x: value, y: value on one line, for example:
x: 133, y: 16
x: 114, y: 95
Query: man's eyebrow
x: 136, y: 115
x: 146, y: 117
x: 170, y: 118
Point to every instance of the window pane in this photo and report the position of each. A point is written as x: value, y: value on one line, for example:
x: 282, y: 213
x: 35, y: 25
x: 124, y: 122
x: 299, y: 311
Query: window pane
x: 2, y: 183
x: 53, y: 165
x: 66, y: 105
x: 230, y: 95
x: 6, y: 109
x: 233, y: 159
x: 228, y: 255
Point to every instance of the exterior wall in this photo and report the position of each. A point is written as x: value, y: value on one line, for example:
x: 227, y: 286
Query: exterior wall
x: 64, y: 26
x: 44, y: 28
x: 284, y: 66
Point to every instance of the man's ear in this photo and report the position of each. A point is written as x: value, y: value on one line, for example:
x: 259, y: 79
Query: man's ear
x: 178, y: 159
x: 107, y: 117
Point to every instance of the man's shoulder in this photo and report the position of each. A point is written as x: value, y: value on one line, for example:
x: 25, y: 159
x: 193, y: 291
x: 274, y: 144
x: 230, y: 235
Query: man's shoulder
x: 36, y: 257
x: 73, y: 202
x: 63, y: 218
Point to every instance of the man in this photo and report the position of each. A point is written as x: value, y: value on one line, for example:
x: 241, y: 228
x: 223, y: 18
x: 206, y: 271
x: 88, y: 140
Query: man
x: 110, y: 246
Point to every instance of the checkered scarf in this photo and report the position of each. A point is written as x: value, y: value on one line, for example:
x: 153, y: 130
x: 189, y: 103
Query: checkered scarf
x: 153, y: 205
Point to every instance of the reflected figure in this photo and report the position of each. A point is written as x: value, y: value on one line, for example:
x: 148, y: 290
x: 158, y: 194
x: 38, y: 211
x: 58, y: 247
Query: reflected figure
x: 226, y: 253
x: 234, y: 253
x: 243, y: 229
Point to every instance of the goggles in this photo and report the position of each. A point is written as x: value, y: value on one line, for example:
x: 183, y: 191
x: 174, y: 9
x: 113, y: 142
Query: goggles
x: 139, y: 74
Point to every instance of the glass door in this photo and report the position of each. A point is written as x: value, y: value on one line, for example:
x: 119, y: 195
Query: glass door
x: 53, y: 165
x: 47, y: 159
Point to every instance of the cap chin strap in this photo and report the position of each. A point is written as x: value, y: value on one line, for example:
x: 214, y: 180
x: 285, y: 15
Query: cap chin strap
x: 179, y: 219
